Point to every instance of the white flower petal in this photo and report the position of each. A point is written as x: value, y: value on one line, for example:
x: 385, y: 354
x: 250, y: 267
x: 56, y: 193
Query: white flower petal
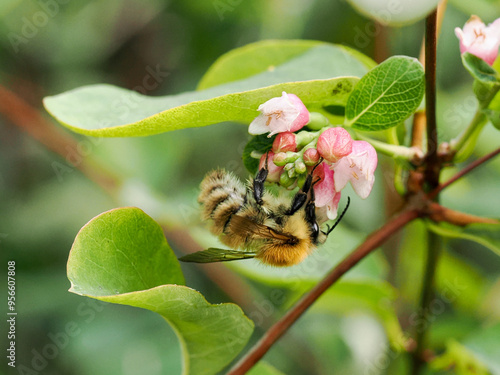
x: 258, y: 125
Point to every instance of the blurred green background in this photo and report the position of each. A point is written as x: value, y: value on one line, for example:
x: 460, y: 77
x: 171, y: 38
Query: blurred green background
x: 47, y: 47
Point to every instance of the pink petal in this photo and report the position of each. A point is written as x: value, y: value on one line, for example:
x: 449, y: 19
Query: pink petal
x: 332, y: 207
x: 303, y: 117
x: 358, y: 168
x: 480, y: 40
x: 324, y: 190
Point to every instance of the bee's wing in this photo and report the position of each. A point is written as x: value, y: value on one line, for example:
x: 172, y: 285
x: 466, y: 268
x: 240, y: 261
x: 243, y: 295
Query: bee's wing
x: 213, y: 254
x: 242, y: 224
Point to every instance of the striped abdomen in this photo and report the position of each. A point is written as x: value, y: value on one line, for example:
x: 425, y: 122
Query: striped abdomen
x: 222, y: 195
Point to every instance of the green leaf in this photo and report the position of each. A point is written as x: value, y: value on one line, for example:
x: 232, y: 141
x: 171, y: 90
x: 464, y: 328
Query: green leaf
x: 487, y: 235
x: 122, y: 256
x: 387, y: 95
x: 108, y: 111
x: 485, y: 345
x: 476, y: 354
x: 479, y: 69
x: 261, y: 144
x: 256, y: 58
x: 121, y: 251
x: 460, y: 359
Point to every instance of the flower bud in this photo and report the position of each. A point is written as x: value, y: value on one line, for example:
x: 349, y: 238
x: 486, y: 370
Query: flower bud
x: 311, y: 156
x: 301, y: 179
x: 304, y: 137
x: 283, y: 158
x: 274, y: 170
x: 317, y: 121
x: 334, y: 144
x: 285, y: 180
x: 280, y: 159
x: 285, y: 142
x: 300, y: 167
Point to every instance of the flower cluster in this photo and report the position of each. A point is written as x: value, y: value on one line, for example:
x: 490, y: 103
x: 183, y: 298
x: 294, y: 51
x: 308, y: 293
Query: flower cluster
x: 296, y: 153
x: 480, y: 40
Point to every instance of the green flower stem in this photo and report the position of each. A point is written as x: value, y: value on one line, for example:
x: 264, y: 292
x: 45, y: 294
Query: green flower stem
x: 468, y: 137
x: 399, y: 181
x: 475, y: 127
x: 396, y: 151
x: 392, y: 136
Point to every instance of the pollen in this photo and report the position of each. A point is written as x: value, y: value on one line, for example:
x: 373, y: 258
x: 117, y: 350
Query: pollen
x: 355, y: 175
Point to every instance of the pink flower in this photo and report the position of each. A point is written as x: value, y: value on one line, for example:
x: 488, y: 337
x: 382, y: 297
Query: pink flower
x: 480, y: 40
x: 334, y: 144
x: 274, y: 170
x: 286, y: 113
x: 285, y: 142
x: 324, y: 191
x: 358, y: 168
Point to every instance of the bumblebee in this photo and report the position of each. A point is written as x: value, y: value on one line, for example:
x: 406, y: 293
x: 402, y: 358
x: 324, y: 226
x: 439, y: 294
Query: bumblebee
x: 278, y: 230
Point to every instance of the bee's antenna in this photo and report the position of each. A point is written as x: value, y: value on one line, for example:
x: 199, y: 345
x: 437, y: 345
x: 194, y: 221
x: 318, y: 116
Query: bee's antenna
x: 340, y: 218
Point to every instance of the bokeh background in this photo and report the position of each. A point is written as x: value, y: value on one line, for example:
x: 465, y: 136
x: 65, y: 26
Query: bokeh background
x: 52, y: 181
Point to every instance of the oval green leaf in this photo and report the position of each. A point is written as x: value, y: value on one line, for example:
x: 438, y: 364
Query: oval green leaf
x: 266, y: 55
x: 479, y: 69
x: 122, y: 256
x: 109, y: 111
x: 487, y: 235
x: 476, y: 354
x: 387, y: 95
x: 320, y: 74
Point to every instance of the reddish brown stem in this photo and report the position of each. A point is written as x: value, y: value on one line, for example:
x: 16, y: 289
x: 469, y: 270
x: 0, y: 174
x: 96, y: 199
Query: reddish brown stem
x: 463, y: 172
x: 440, y: 213
x: 373, y: 241
x: 433, y: 163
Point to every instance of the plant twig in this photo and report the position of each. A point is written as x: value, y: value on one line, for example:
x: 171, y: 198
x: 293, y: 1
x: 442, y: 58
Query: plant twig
x: 440, y: 213
x: 463, y: 172
x: 418, y: 130
x: 433, y: 252
x: 419, y: 119
x: 373, y: 241
x: 431, y: 178
x: 433, y: 163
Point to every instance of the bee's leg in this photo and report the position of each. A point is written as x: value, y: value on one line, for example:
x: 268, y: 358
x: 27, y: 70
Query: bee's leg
x: 311, y: 214
x: 258, y: 182
x: 301, y: 197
